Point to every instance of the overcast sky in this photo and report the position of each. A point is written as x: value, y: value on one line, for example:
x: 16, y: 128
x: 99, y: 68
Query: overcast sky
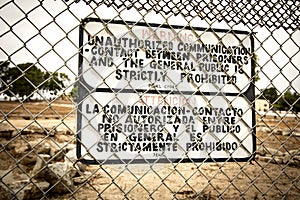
x: 49, y: 36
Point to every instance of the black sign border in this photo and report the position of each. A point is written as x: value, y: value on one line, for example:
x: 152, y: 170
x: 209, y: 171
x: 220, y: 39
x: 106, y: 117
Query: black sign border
x: 84, y: 91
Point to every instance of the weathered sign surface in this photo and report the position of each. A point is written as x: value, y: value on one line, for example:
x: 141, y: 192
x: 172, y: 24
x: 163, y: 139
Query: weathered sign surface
x: 152, y: 93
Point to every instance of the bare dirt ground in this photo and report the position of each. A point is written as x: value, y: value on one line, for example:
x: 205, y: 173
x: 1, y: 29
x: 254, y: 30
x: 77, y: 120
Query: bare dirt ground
x: 263, y: 178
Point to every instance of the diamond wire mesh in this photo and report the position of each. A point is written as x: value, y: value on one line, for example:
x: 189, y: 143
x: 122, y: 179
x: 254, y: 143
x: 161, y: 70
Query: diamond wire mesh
x: 38, y: 134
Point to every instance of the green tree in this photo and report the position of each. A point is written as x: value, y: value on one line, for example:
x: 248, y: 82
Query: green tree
x: 3, y: 78
x: 74, y: 92
x: 23, y: 80
x: 3, y: 67
x: 270, y: 94
x: 296, y: 106
x: 289, y: 101
x: 55, y: 81
x: 256, y: 65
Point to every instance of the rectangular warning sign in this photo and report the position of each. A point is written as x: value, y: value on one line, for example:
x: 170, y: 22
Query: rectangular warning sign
x: 161, y: 94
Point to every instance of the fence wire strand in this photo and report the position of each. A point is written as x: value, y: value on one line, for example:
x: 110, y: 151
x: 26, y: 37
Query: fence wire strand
x: 47, y: 75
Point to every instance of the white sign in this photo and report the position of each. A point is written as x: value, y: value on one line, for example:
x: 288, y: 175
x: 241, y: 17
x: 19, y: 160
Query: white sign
x: 160, y: 94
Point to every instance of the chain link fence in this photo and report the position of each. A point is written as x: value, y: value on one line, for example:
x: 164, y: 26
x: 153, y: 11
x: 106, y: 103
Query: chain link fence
x: 149, y: 99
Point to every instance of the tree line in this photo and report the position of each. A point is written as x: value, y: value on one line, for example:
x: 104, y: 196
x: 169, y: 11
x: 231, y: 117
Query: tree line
x: 287, y: 101
x: 23, y: 80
